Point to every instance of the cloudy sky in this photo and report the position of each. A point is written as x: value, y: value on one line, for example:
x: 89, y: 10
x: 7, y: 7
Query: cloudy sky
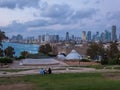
x: 35, y: 17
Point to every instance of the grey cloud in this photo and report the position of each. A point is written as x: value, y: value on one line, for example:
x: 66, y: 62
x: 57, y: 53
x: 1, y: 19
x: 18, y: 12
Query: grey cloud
x: 113, y: 18
x: 57, y: 11
x: 56, y: 14
x: 97, y: 1
x: 14, y: 27
x: 81, y: 14
x: 64, y: 14
x: 86, y: 1
x: 18, y: 3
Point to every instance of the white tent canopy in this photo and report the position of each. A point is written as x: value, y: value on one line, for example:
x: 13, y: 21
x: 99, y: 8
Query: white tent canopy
x: 61, y: 57
x: 73, y: 55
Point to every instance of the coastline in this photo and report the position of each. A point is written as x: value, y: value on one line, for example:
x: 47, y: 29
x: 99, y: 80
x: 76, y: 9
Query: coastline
x: 19, y: 47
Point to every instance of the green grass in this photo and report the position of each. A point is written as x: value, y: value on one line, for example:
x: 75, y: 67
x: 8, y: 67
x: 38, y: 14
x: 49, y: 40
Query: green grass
x: 76, y: 81
x: 14, y: 70
x: 117, y: 68
x: 38, y: 56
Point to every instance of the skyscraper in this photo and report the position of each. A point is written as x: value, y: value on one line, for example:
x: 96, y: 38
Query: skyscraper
x: 102, y: 37
x: 107, y: 36
x: 84, y: 36
x: 67, y: 36
x: 89, y: 36
x: 114, y: 36
x: 119, y: 36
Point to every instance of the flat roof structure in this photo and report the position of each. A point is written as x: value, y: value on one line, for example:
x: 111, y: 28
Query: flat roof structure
x: 49, y: 61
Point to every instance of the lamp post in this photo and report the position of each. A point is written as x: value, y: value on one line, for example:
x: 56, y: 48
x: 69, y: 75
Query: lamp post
x: 79, y: 60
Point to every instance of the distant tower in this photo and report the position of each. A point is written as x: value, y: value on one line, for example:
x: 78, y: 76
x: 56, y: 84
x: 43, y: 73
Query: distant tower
x: 102, y: 37
x: 67, y: 36
x: 114, y: 36
x: 89, y: 36
x: 39, y: 38
x: 73, y: 37
x: 119, y: 36
x: 107, y: 36
x: 83, y: 36
x: 47, y: 38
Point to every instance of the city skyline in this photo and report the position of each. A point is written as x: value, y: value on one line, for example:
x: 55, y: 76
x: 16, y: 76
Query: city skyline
x: 36, y: 17
x: 105, y: 37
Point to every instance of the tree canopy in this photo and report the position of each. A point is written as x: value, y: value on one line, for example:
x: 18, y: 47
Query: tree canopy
x: 2, y: 37
x: 95, y: 49
x: 113, y: 50
x: 46, y: 49
x: 9, y: 51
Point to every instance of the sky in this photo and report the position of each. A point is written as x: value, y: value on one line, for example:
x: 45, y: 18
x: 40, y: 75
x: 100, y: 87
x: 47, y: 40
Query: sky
x: 37, y: 17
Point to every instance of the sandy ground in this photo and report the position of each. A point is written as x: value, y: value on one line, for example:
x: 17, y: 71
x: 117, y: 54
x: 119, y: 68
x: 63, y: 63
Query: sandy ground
x: 77, y: 63
x: 18, y: 86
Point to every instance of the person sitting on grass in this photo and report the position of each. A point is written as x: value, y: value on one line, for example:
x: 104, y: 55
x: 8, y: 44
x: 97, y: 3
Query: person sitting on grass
x: 42, y: 71
x: 49, y: 71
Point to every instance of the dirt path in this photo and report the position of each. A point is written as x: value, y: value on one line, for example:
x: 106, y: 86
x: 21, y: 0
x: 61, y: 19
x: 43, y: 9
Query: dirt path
x: 55, y: 70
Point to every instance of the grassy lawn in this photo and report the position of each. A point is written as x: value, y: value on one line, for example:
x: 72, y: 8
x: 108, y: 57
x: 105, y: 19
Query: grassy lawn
x: 76, y: 81
x: 14, y: 70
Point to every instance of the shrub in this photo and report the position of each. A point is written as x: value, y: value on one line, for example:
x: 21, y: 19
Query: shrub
x: 6, y: 60
x: 85, y: 60
x: 104, y: 61
x: 20, y: 57
x: 113, y: 61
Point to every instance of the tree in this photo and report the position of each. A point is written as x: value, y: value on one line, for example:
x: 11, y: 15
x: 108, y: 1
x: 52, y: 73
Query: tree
x: 24, y: 54
x: 9, y: 52
x: 2, y: 37
x: 46, y: 49
x: 113, y: 50
x: 42, y: 49
x: 1, y: 52
x: 95, y: 49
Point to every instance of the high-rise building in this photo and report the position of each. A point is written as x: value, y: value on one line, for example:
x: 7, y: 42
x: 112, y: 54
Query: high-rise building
x: 18, y: 39
x: 83, y: 36
x: 54, y: 38
x: 119, y: 36
x: 89, y: 36
x: 67, y: 36
x: 42, y: 38
x: 47, y: 38
x: 114, y: 35
x: 39, y: 38
x: 30, y: 39
x: 102, y: 37
x: 107, y: 36
x: 73, y: 37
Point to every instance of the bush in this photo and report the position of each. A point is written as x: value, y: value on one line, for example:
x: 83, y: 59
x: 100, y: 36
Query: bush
x: 104, y: 61
x: 85, y: 60
x: 113, y: 61
x: 38, y: 56
x: 20, y: 57
x: 6, y: 60
x: 51, y: 54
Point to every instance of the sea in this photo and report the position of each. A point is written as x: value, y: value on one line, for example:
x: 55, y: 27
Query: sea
x: 18, y: 48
